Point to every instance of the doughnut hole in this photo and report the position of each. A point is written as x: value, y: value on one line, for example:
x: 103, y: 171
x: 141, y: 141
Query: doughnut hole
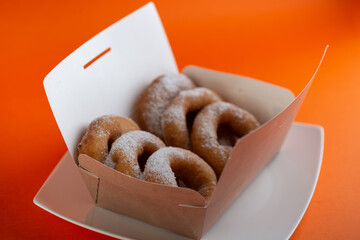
x: 185, y: 174
x: 142, y: 159
x: 226, y: 136
x: 109, y: 145
x: 190, y: 117
x: 180, y: 182
x: 110, y: 142
x: 144, y: 152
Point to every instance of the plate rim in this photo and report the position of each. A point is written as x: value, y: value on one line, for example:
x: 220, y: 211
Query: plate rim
x: 321, y: 155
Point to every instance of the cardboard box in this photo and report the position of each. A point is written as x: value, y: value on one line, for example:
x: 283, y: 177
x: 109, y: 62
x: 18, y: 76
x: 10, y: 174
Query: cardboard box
x: 107, y: 74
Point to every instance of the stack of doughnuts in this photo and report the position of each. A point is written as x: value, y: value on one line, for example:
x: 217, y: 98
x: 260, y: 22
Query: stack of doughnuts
x: 206, y: 109
x: 179, y: 142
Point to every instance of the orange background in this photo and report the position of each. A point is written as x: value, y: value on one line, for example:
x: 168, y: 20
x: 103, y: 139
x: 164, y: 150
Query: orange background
x: 277, y: 41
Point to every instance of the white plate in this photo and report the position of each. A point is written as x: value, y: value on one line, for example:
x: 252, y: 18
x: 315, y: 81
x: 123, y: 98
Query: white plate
x: 270, y: 208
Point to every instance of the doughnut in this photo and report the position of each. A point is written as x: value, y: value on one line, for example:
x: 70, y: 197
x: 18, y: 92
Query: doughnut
x: 204, y: 138
x: 168, y: 164
x: 156, y: 96
x: 173, y: 120
x: 129, y: 152
x: 101, y: 133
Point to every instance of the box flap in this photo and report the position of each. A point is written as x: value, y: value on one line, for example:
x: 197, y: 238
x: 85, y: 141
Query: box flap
x: 133, y: 50
x: 91, y: 181
x: 250, y: 155
x: 262, y: 99
x: 180, y: 210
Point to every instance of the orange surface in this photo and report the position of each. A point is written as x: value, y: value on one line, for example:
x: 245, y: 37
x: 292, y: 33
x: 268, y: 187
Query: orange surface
x: 276, y: 41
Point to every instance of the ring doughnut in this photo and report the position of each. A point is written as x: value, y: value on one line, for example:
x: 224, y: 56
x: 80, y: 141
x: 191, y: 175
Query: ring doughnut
x: 204, y: 139
x: 171, y: 163
x: 156, y: 96
x: 101, y: 133
x: 173, y: 120
x: 129, y: 152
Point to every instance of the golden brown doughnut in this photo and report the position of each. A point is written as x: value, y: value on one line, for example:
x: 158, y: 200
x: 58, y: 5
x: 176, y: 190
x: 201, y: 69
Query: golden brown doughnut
x: 156, y: 96
x: 101, y: 133
x: 168, y: 164
x: 173, y: 119
x: 129, y: 152
x: 204, y: 139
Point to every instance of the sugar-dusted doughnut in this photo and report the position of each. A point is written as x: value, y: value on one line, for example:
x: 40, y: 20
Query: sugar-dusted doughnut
x: 101, y: 133
x: 130, y: 151
x: 174, y: 118
x: 204, y: 139
x: 156, y: 96
x: 168, y: 164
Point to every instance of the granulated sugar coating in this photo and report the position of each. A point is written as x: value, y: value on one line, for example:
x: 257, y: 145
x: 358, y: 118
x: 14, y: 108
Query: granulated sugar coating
x: 156, y: 96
